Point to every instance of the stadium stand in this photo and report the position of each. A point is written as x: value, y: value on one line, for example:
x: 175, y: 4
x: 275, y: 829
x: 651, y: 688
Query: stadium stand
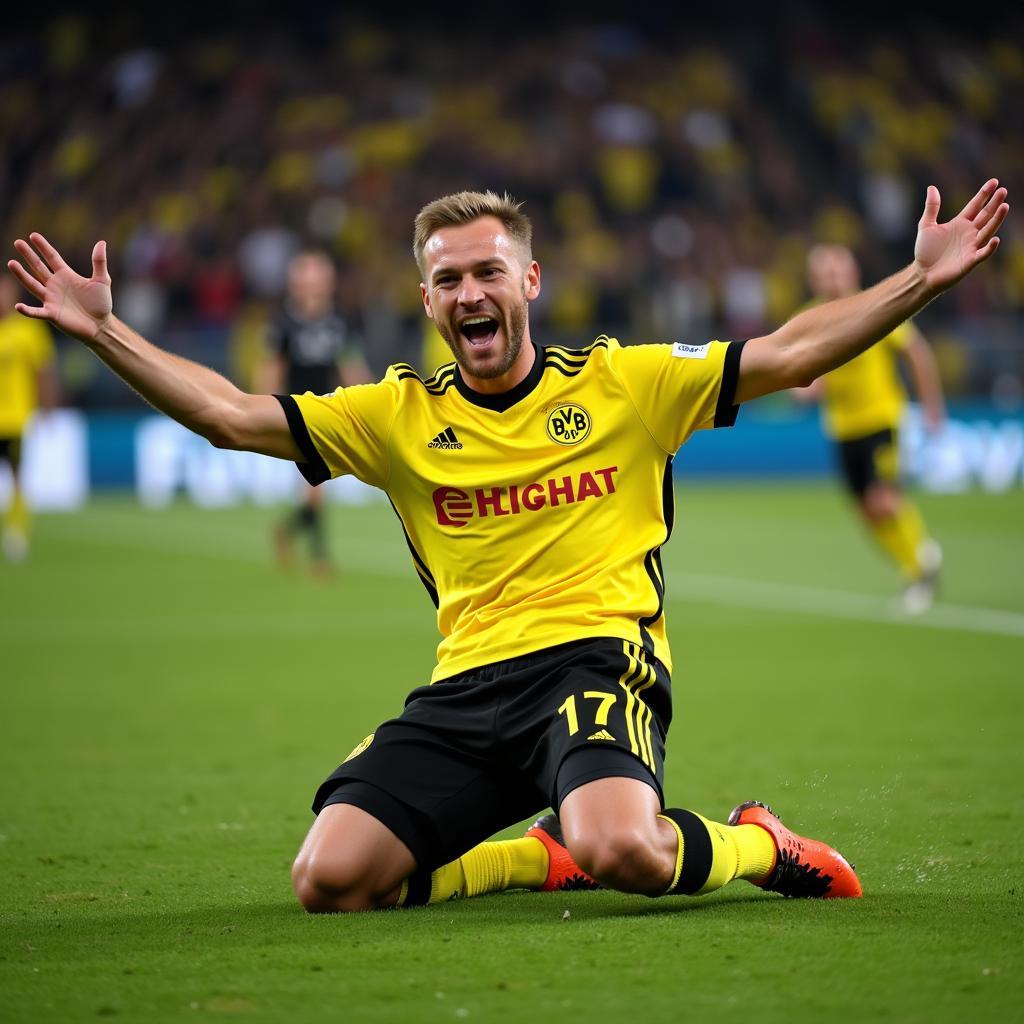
x: 675, y: 180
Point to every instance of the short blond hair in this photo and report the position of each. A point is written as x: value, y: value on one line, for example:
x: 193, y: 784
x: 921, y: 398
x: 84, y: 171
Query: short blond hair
x: 464, y: 208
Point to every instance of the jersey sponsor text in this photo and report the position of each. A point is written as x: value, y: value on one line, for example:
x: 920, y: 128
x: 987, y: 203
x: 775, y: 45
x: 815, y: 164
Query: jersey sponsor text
x: 456, y: 507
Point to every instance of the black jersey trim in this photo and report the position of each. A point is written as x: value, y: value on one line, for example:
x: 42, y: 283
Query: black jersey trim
x: 506, y: 399
x: 570, y: 358
x: 558, y: 361
x: 652, y: 560
x: 313, y: 468
x: 436, y: 385
x: 561, y: 369
x: 425, y: 575
x: 574, y: 356
x: 563, y: 350
x: 443, y: 385
x: 439, y: 374
x: 570, y: 362
x: 727, y: 410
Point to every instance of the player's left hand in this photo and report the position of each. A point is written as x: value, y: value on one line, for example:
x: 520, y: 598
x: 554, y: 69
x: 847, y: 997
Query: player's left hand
x: 944, y: 253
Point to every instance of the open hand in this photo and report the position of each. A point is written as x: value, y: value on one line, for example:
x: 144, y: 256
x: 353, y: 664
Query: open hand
x: 947, y: 252
x: 77, y: 305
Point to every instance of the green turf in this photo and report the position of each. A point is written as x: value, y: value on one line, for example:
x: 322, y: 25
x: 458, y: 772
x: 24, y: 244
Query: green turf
x: 170, y: 701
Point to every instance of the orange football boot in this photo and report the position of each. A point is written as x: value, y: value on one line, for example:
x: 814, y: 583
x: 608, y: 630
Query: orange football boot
x: 564, y: 874
x: 803, y: 867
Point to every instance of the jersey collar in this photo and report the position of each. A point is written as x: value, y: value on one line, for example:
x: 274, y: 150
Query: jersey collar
x: 504, y: 399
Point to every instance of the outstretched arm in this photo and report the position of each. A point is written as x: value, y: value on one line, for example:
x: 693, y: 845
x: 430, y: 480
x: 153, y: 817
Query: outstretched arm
x: 828, y: 335
x: 806, y: 396
x: 195, y: 396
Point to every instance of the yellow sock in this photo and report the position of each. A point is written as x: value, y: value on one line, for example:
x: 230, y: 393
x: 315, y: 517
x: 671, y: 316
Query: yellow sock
x: 901, y: 536
x: 530, y: 863
x: 18, y: 517
x: 741, y: 851
x: 719, y: 853
x: 489, y: 867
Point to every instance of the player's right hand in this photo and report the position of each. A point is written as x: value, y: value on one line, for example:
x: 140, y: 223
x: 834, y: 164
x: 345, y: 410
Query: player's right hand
x: 944, y: 253
x: 77, y: 305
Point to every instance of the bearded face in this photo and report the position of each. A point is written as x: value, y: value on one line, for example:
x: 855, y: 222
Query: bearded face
x: 477, y: 292
x: 487, y: 344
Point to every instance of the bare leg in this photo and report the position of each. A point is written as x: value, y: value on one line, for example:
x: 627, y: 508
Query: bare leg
x: 17, y: 520
x: 320, y: 561
x: 612, y: 829
x: 350, y: 861
x: 881, y: 501
x: 897, y: 526
x: 617, y: 832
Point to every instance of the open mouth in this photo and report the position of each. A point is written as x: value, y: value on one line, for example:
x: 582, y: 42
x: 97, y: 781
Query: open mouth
x: 479, y: 330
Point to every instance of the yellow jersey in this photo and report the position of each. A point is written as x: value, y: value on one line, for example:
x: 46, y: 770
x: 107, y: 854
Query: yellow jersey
x: 26, y: 347
x: 534, y: 517
x: 866, y: 394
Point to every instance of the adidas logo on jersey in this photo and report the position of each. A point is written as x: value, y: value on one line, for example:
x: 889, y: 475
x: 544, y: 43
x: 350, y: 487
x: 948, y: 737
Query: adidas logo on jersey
x: 602, y: 734
x: 446, y: 440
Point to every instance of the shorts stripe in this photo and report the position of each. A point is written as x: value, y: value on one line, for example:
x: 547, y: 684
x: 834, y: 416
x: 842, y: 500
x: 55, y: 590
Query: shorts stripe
x: 643, y: 718
x: 624, y: 681
x: 639, y: 675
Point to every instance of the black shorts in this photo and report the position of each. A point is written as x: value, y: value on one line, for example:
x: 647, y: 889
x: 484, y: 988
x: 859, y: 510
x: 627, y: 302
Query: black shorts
x: 870, y: 460
x: 477, y: 752
x: 10, y: 451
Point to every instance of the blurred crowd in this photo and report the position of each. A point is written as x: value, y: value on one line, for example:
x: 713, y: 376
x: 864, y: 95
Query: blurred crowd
x: 675, y: 179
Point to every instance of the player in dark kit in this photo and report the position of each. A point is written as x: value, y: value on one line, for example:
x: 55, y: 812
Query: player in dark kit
x: 536, y: 531
x: 311, y: 350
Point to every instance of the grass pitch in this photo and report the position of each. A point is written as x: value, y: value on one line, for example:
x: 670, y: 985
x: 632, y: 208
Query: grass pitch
x: 170, y: 701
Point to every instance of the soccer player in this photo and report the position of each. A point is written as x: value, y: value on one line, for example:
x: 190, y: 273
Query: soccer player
x: 311, y: 351
x: 534, y: 487
x: 27, y: 382
x: 863, y: 403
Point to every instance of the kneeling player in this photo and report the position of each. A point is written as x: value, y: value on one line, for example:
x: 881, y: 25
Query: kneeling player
x: 551, y: 685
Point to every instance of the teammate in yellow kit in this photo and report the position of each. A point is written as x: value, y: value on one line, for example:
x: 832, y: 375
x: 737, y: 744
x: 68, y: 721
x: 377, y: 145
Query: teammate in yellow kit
x: 534, y: 488
x: 863, y: 403
x: 27, y: 382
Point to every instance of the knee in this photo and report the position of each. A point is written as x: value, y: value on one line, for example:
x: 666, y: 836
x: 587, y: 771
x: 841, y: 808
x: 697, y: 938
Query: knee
x: 626, y: 859
x: 330, y: 887
x: 880, y: 503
